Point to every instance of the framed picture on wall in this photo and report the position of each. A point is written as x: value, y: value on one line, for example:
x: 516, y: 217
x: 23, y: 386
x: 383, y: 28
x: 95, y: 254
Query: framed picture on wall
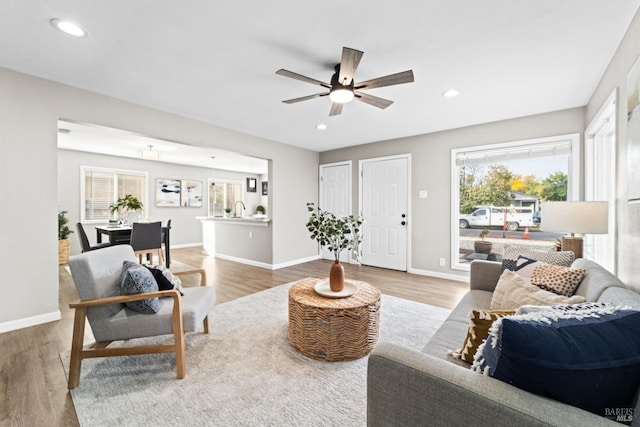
x: 167, y: 193
x: 191, y: 193
x: 252, y: 185
x: 265, y: 188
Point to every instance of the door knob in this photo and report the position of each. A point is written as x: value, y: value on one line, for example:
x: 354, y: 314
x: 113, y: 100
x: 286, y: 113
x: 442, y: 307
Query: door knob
x: 404, y: 215
x: 403, y: 223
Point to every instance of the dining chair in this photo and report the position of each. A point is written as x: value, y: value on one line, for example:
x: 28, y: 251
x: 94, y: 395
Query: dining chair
x: 98, y: 277
x: 84, y: 240
x: 146, y: 239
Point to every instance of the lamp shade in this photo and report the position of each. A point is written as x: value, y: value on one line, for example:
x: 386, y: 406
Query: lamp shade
x: 575, y: 217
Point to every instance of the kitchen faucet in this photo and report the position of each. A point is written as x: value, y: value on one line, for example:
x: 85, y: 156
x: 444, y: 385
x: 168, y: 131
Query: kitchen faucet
x: 235, y: 208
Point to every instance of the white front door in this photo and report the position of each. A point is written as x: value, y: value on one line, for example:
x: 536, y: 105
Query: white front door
x: 335, y: 196
x: 385, y: 210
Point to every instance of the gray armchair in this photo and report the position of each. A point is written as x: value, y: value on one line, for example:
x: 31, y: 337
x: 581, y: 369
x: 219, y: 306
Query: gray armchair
x: 96, y: 275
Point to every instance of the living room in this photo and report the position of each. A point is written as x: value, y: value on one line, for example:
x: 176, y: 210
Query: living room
x: 33, y: 105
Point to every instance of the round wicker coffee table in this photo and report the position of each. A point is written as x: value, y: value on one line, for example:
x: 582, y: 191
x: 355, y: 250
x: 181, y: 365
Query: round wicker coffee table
x: 333, y: 329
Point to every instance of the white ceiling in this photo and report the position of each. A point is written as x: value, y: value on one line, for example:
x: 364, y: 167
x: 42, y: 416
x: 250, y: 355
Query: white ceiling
x: 216, y: 61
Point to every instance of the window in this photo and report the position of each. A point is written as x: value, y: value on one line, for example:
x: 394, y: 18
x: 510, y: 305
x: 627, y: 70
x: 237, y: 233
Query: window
x: 224, y: 195
x: 100, y: 187
x: 516, y: 175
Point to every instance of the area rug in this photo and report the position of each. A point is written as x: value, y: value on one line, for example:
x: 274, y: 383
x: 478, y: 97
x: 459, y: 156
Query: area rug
x: 243, y: 373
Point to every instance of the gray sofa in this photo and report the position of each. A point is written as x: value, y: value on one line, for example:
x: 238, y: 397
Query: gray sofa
x: 410, y: 388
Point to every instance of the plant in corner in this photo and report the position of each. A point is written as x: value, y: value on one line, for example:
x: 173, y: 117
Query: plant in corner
x: 335, y: 234
x: 126, y: 204
x: 482, y: 246
x: 64, y: 243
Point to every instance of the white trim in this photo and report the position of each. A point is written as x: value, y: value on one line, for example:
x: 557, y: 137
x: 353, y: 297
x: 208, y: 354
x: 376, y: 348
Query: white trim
x: 27, y: 322
x: 607, y: 115
x: 184, y: 245
x: 266, y: 265
x: 409, y: 192
x: 294, y: 262
x: 439, y: 275
x: 573, y: 191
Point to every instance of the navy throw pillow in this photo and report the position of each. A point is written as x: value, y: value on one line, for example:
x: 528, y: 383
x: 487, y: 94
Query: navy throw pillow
x: 590, y: 360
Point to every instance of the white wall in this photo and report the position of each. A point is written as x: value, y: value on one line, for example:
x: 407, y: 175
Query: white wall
x: 431, y: 158
x: 30, y: 108
x: 185, y: 228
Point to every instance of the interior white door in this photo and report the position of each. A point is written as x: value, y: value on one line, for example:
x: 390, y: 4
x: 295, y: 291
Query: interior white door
x: 385, y: 212
x: 335, y: 196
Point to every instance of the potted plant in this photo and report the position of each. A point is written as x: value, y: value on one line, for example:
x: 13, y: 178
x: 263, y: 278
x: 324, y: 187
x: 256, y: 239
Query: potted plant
x: 482, y: 246
x: 64, y: 243
x: 335, y: 234
x: 127, y: 205
x: 227, y: 211
x: 260, y: 210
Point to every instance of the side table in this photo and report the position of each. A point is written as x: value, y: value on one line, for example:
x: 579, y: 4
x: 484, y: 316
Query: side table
x: 333, y: 329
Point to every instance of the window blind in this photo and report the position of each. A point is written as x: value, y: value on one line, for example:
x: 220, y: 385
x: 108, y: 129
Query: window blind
x: 558, y: 148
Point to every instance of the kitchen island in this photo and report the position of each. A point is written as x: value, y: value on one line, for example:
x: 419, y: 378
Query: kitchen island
x: 242, y: 239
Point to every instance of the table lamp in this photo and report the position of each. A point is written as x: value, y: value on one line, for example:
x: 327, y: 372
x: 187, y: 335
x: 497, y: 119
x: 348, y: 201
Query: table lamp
x: 575, y: 217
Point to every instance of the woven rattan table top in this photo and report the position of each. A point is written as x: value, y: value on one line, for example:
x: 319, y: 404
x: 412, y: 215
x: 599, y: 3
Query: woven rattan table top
x: 303, y: 293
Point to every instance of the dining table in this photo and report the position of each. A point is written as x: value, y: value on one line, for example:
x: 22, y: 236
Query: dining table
x: 121, y: 235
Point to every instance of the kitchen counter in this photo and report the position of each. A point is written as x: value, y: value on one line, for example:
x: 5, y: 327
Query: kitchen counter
x: 262, y: 221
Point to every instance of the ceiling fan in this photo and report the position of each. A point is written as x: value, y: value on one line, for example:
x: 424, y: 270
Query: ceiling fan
x: 343, y: 87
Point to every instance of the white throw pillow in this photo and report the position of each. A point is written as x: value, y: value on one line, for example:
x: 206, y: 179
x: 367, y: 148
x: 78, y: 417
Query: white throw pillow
x: 512, y: 291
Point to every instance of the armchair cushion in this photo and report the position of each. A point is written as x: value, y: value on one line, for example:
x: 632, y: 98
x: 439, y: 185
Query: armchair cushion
x: 137, y: 279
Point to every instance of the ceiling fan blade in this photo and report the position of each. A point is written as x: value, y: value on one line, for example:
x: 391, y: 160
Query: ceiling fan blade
x: 305, y: 98
x: 373, y: 100
x: 391, y: 79
x: 348, y: 64
x: 335, y: 109
x: 300, y: 77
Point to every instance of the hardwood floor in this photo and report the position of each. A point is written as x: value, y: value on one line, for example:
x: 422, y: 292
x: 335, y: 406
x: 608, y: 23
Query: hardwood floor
x: 33, y: 386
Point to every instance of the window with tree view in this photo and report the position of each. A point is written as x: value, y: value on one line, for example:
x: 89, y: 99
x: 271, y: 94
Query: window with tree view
x: 223, y: 196
x: 500, y: 188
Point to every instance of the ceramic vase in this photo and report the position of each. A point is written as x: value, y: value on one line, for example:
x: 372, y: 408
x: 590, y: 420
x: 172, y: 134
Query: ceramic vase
x: 336, y: 277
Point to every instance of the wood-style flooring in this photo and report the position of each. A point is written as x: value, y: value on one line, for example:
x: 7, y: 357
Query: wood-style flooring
x: 33, y: 387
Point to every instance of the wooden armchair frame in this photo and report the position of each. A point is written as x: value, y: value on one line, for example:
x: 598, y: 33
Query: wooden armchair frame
x: 99, y: 349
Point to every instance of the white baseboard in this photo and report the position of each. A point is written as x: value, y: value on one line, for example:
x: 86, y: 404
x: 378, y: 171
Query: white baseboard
x: 295, y: 262
x: 185, y: 245
x: 245, y: 261
x: 266, y: 265
x: 456, y: 277
x: 26, y: 322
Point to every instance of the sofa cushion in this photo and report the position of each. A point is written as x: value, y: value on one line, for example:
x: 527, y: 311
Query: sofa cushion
x: 589, y: 359
x: 511, y: 254
x: 513, y: 291
x: 557, y: 279
x: 479, y: 323
x: 165, y: 278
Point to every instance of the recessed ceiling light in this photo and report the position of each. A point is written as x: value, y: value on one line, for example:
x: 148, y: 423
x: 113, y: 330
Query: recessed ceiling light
x: 68, y: 27
x: 321, y: 126
x: 451, y: 93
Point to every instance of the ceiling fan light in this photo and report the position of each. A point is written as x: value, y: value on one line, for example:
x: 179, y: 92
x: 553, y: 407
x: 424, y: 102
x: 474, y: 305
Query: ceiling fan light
x: 341, y: 96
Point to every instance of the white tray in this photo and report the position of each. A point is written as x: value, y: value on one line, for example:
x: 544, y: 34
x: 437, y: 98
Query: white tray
x: 322, y: 288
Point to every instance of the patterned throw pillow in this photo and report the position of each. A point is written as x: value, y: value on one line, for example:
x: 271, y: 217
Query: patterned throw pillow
x: 479, y: 323
x: 512, y: 291
x: 165, y: 278
x: 511, y: 253
x: 138, y: 280
x: 557, y: 279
